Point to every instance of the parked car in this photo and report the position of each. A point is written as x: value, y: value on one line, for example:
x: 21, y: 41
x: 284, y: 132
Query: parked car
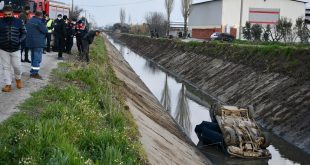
x: 222, y: 37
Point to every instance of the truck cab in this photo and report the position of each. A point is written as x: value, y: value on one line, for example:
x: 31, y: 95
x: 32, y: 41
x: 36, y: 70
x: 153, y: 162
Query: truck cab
x: 35, y: 5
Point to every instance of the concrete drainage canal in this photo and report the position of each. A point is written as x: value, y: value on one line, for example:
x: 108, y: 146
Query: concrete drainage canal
x: 189, y: 107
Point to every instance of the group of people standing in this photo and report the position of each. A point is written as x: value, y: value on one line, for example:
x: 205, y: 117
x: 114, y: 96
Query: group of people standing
x: 65, y: 30
x: 19, y: 35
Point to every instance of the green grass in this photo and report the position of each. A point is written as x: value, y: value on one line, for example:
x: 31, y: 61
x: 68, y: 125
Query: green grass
x: 272, y: 43
x: 193, y: 44
x: 79, y: 119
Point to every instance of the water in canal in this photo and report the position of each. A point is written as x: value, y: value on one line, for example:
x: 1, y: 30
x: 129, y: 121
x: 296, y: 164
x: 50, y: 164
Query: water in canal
x: 189, y: 108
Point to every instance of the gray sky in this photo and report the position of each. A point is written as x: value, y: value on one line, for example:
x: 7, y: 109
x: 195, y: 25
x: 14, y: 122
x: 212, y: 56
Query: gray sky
x: 107, y: 11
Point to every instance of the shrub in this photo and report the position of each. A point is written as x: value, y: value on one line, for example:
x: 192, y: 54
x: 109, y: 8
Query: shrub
x: 256, y: 32
x: 247, y: 31
x: 266, y: 34
x: 302, y: 30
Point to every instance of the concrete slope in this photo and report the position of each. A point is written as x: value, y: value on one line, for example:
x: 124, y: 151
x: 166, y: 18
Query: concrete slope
x: 162, y: 139
x: 9, y: 101
x: 282, y: 102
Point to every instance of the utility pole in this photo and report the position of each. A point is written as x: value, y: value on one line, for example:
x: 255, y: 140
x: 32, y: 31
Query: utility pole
x: 241, y: 15
x: 72, y: 8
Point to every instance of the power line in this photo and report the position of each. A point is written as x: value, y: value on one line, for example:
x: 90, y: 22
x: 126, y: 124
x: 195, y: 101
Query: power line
x: 113, y: 5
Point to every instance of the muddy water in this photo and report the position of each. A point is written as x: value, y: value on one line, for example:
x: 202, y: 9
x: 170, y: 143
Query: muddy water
x: 189, y: 107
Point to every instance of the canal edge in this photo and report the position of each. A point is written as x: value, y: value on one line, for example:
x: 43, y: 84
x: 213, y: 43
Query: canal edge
x: 162, y: 145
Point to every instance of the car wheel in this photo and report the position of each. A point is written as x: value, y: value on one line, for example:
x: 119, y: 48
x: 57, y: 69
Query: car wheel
x: 230, y: 136
x: 266, y: 143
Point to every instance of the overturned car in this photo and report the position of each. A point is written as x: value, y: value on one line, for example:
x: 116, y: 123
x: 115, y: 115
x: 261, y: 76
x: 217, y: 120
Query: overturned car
x: 235, y: 131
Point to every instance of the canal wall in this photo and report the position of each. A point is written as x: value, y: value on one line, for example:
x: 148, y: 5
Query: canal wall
x: 163, y: 140
x: 274, y: 79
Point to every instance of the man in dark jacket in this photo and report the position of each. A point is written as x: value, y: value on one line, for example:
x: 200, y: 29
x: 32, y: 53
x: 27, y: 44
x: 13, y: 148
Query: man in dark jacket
x: 81, y: 31
x: 36, y: 42
x: 60, y: 35
x: 24, y: 16
x: 12, y: 33
x: 70, y: 35
x: 86, y: 41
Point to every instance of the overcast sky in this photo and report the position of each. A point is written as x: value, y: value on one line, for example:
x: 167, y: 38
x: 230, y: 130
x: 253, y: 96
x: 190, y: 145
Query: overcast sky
x: 107, y: 11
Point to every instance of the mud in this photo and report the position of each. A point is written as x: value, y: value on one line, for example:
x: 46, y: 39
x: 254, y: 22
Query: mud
x: 163, y: 140
x: 281, y: 98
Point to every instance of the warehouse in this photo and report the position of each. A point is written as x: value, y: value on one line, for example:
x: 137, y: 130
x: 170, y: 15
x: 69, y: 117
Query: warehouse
x: 227, y: 15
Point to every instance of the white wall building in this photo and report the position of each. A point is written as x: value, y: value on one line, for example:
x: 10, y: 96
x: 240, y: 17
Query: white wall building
x: 308, y: 17
x: 57, y: 7
x: 227, y: 15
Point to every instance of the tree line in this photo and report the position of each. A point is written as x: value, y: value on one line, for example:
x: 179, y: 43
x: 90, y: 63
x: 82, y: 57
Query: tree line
x: 155, y: 22
x: 283, y: 31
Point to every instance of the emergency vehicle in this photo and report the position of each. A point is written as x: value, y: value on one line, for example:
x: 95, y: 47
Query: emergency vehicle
x: 50, y: 7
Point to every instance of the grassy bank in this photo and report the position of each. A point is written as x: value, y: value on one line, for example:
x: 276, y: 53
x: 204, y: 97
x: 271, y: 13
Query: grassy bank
x: 79, y: 119
x: 285, y: 59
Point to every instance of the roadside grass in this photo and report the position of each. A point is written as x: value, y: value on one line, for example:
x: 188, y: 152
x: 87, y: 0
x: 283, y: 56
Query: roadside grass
x: 79, y: 119
x: 272, y: 43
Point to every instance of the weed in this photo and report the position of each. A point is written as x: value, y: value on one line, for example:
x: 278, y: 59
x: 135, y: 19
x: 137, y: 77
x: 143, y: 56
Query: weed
x: 193, y: 44
x: 66, y: 124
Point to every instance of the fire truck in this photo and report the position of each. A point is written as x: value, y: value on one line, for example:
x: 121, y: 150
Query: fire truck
x: 50, y: 7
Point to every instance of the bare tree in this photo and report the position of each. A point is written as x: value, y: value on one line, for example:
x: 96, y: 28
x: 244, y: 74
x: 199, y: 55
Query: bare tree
x: 122, y: 16
x: 185, y: 12
x: 75, y: 14
x: 182, y: 113
x: 156, y: 22
x: 165, y: 96
x: 169, y: 4
x: 129, y: 20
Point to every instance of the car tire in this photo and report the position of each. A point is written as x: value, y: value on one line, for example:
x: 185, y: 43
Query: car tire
x: 266, y: 143
x: 230, y: 136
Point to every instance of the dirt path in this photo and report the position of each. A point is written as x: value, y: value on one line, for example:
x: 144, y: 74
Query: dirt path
x: 161, y: 137
x: 9, y: 101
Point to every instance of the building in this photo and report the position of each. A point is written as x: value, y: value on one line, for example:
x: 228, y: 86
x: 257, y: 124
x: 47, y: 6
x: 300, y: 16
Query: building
x: 176, y: 28
x: 57, y: 7
x: 307, y: 16
x: 227, y: 15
